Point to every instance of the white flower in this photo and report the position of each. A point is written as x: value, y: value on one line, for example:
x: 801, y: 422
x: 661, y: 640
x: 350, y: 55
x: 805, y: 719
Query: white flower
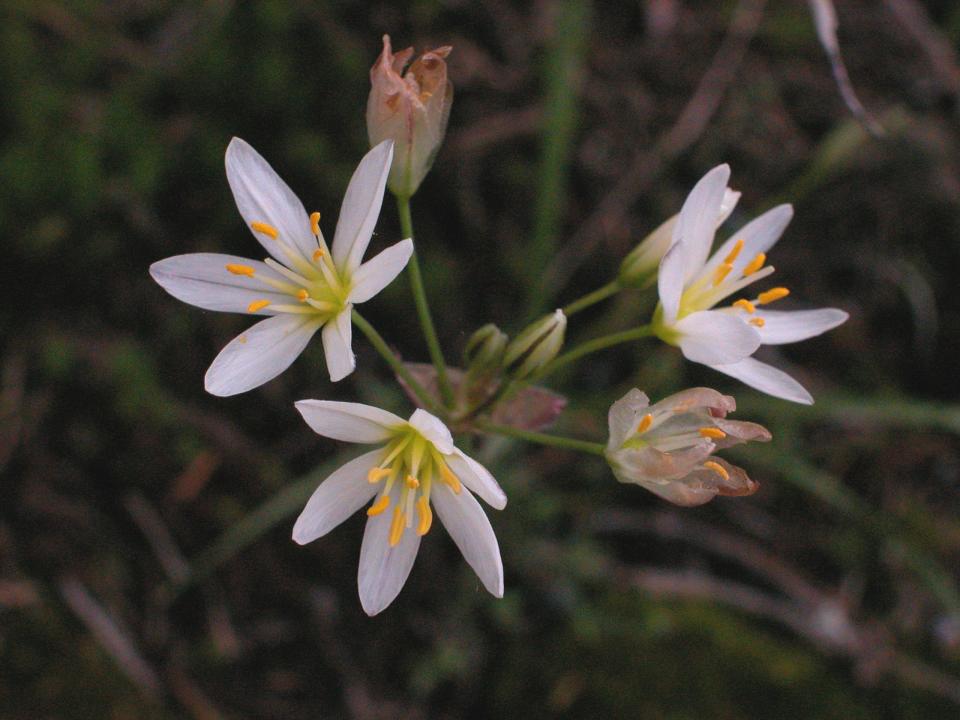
x: 690, y: 285
x: 303, y: 286
x: 417, y: 466
x: 668, y: 448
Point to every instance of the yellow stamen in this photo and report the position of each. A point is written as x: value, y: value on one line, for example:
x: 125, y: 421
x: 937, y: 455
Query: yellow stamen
x: 302, y: 295
x: 257, y: 305
x: 758, y: 321
x: 265, y: 229
x: 315, y: 223
x: 396, y: 526
x: 754, y: 264
x: 746, y: 305
x: 240, y: 270
x: 712, y: 432
x: 382, y: 503
x: 412, y: 482
x: 645, y: 423
x: 317, y: 254
x: 721, y: 273
x: 450, y: 479
x: 737, y: 247
x: 425, y: 516
x: 377, y: 474
x: 717, y: 468
x: 770, y: 295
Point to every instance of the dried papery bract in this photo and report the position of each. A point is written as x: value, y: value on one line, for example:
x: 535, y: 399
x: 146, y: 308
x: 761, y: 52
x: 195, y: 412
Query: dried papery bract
x: 668, y: 447
x: 410, y: 108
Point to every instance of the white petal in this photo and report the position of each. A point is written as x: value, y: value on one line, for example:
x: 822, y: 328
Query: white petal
x: 670, y: 277
x: 477, y: 479
x: 384, y: 569
x: 337, y: 339
x: 781, y: 327
x: 727, y: 205
x: 361, y: 207
x: 202, y: 279
x: 470, y: 529
x: 767, y: 379
x: 433, y: 429
x: 759, y: 235
x: 260, y: 354
x: 347, y: 421
x: 713, y: 337
x: 337, y: 498
x: 262, y: 196
x: 378, y: 272
x: 624, y: 416
x: 698, y: 217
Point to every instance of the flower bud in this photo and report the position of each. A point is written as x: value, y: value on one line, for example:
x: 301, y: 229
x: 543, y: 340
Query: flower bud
x: 536, y: 345
x: 411, y: 109
x: 485, y: 349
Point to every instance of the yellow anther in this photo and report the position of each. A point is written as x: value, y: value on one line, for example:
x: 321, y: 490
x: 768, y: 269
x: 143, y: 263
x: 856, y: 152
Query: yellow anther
x: 382, y: 503
x: 315, y: 223
x: 755, y: 264
x: 317, y: 254
x: 425, y: 516
x: 770, y: 295
x: 758, y: 321
x: 412, y: 482
x: 717, y: 468
x: 257, y: 305
x: 377, y: 474
x: 720, y: 274
x: 302, y: 295
x: 396, y: 525
x: 712, y: 433
x: 732, y: 255
x: 746, y: 305
x: 450, y: 479
x: 645, y: 423
x: 265, y: 229
x: 240, y: 270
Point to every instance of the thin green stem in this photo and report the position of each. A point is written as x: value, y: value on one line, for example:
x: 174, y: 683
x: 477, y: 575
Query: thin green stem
x: 543, y: 439
x: 611, y: 288
x: 423, y: 307
x: 592, y: 346
x: 387, y: 354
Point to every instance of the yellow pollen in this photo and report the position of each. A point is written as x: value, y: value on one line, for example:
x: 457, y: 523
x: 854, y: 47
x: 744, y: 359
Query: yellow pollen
x: 240, y: 270
x: 265, y: 229
x: 302, y: 295
x: 315, y: 223
x: 754, y: 264
x: 770, y: 295
x: 396, y: 526
x: 732, y: 255
x: 412, y: 482
x: 257, y: 305
x: 712, y: 432
x: 758, y: 321
x: 645, y: 423
x: 450, y: 479
x: 317, y: 254
x: 717, y: 468
x: 377, y: 474
x: 721, y: 273
x: 746, y: 305
x: 379, y: 506
x: 425, y: 515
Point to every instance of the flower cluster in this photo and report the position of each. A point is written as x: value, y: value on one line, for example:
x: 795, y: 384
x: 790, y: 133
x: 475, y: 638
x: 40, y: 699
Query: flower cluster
x: 304, y: 286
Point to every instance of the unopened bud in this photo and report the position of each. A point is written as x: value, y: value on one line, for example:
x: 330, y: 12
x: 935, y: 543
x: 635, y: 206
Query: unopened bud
x: 485, y: 349
x: 411, y: 109
x: 537, y: 345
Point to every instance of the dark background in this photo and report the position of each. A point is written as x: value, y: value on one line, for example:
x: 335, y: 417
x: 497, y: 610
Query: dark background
x: 146, y: 566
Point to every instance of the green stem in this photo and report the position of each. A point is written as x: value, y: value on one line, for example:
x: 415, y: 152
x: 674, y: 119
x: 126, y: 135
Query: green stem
x: 543, y: 439
x: 611, y: 288
x: 592, y: 346
x: 423, y: 307
x: 387, y: 354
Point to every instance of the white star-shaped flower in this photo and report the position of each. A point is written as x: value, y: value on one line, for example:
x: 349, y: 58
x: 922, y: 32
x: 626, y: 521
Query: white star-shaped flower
x: 691, y: 282
x: 417, y: 468
x: 303, y: 286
